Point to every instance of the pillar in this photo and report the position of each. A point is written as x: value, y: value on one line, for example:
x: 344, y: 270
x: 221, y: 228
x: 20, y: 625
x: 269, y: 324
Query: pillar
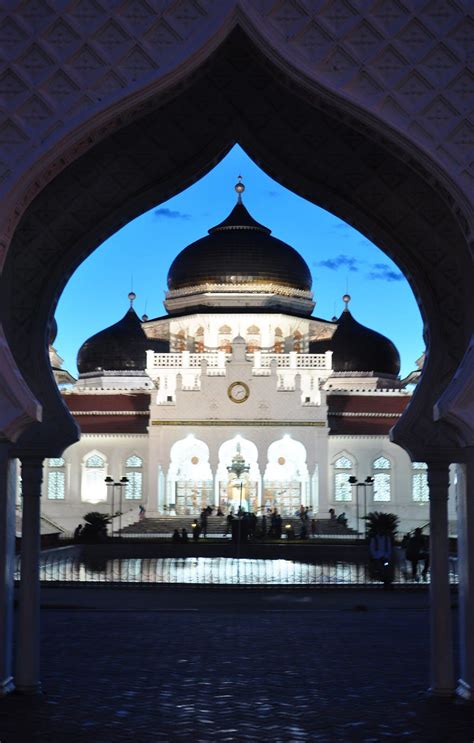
x: 465, y: 497
x: 441, y: 641
x: 27, y: 678
x: 7, y: 560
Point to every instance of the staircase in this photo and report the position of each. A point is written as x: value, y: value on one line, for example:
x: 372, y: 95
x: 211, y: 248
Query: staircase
x: 216, y: 526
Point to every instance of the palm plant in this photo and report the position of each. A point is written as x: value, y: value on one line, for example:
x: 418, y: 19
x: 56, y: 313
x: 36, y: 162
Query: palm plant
x: 381, y: 523
x: 95, y: 529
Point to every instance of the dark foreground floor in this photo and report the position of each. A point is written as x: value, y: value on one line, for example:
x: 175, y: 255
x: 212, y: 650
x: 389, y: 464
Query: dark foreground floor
x: 234, y: 666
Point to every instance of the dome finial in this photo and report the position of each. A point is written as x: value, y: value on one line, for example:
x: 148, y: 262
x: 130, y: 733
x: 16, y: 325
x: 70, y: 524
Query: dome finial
x: 132, y: 296
x: 240, y: 188
x: 346, y: 299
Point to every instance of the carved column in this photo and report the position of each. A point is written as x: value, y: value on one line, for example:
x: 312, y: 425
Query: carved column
x: 465, y: 493
x: 442, y: 664
x: 7, y: 558
x: 27, y: 678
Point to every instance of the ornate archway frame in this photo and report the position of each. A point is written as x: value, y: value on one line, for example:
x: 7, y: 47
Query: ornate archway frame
x: 306, y: 124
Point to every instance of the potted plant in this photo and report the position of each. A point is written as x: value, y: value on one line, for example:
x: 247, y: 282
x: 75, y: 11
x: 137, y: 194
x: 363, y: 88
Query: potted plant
x: 95, y: 529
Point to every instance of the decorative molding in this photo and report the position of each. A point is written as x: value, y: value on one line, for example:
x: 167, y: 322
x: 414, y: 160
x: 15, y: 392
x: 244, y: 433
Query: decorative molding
x: 255, y: 423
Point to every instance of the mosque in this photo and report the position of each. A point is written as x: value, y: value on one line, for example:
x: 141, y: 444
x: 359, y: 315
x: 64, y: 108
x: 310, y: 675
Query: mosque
x: 237, y: 365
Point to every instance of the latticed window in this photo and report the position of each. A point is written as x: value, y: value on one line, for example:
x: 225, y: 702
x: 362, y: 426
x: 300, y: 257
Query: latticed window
x: 134, y: 488
x: 420, y: 489
x: 382, y: 479
x: 56, y: 485
x: 134, y: 461
x: 342, y: 486
x: 56, y: 479
x: 95, y: 461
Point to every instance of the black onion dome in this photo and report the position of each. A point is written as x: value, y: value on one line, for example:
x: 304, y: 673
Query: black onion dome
x: 359, y: 349
x: 121, y: 347
x: 239, y: 250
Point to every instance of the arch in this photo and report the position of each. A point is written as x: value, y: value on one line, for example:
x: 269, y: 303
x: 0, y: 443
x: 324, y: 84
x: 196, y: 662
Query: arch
x: 374, y: 187
x: 231, y: 493
x: 190, y: 479
x: 420, y: 491
x: 134, y: 474
x: 93, y: 473
x: 286, y: 476
x: 56, y: 478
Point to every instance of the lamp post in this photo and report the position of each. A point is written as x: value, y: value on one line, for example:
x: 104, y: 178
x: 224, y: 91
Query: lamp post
x: 110, y: 482
x: 368, y: 482
x: 238, y: 468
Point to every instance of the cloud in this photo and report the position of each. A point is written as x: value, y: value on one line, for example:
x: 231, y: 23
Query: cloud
x: 340, y: 261
x: 171, y: 214
x: 383, y: 272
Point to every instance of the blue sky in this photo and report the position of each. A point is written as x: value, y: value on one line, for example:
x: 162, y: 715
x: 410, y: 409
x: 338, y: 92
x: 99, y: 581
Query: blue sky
x: 139, y: 255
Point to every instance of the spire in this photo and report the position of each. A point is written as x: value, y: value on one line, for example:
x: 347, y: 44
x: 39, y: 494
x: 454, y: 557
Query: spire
x: 346, y: 299
x: 132, y: 296
x: 240, y: 188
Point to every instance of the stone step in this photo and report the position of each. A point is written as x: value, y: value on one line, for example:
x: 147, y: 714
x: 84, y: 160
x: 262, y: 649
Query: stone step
x: 218, y: 524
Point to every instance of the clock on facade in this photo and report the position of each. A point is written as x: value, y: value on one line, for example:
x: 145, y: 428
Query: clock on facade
x: 238, y: 392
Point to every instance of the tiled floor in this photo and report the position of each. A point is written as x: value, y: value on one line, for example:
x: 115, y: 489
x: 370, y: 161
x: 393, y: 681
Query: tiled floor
x: 234, y: 668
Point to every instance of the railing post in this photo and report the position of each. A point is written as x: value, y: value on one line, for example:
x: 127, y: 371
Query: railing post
x: 27, y: 679
x: 442, y: 664
x: 7, y: 559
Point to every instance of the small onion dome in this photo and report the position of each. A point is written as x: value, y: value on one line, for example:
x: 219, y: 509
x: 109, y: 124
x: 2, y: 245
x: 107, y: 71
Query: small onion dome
x: 359, y: 349
x: 121, y: 347
x: 239, y: 250
x: 53, y: 331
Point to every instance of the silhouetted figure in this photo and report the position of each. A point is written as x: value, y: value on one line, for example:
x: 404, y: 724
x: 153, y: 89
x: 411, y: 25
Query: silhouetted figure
x: 220, y: 512
x: 417, y: 549
x: 176, y: 536
x: 196, y: 527
x: 204, y: 516
x: 141, y: 512
x: 278, y: 526
x: 228, y: 527
x: 314, y: 527
x: 264, y: 526
x: 380, y: 552
x: 342, y: 519
x: 332, y: 514
x: 184, y: 536
x: 77, y: 532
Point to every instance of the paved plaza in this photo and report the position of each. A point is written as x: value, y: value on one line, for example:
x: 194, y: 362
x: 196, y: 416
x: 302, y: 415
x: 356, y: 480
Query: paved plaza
x: 234, y: 665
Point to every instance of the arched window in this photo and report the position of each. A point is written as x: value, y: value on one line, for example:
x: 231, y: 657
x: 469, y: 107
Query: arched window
x: 56, y: 481
x: 94, y: 489
x: 278, y: 346
x: 180, y: 342
x: 342, y: 471
x: 225, y: 339
x: 253, y: 339
x: 134, y: 474
x: 382, y: 479
x: 419, y: 482
x: 199, y: 340
x: 297, y: 341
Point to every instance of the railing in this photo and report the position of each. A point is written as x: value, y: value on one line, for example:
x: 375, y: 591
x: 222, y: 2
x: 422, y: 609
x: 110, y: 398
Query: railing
x: 207, y: 571
x: 216, y: 360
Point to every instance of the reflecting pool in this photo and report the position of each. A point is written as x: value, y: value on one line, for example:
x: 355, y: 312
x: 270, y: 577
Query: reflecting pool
x: 211, y: 571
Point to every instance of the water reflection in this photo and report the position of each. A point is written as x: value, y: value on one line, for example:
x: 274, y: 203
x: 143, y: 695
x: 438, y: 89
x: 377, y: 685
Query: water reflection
x: 210, y: 571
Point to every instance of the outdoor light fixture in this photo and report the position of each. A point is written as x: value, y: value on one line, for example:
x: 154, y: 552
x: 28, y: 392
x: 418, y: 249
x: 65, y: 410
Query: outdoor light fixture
x: 110, y: 482
x: 368, y: 482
